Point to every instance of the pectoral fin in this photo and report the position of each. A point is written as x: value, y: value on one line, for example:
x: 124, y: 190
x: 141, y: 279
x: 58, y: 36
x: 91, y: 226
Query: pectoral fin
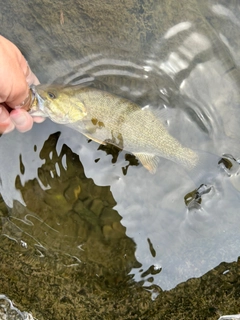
x: 89, y: 131
x: 149, y: 161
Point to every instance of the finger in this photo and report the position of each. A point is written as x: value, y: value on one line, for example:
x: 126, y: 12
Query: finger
x: 21, y: 119
x: 20, y: 91
x: 32, y: 79
x: 6, y: 124
x: 26, y: 104
x: 38, y: 119
x: 29, y: 75
x: 23, y: 78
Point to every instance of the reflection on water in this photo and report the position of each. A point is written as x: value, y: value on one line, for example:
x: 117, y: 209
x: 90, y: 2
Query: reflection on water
x: 8, y: 311
x: 101, y: 233
x: 65, y: 211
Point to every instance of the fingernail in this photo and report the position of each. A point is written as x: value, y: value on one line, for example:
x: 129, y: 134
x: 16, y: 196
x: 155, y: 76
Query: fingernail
x: 18, y: 119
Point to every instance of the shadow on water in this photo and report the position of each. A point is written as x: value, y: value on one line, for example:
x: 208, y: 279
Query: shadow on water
x: 86, y: 231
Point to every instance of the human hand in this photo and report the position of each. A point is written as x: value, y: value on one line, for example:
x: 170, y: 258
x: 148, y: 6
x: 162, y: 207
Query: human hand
x: 15, y: 79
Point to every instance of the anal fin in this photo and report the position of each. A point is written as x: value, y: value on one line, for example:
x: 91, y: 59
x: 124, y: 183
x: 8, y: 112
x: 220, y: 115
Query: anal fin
x: 149, y: 161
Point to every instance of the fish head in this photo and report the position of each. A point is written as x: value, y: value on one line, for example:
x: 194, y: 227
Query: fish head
x: 58, y: 103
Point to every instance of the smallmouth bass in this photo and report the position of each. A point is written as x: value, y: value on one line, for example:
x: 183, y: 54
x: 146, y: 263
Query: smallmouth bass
x: 106, y: 118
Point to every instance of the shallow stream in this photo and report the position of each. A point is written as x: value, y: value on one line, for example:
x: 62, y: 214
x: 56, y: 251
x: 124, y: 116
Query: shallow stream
x: 97, y: 231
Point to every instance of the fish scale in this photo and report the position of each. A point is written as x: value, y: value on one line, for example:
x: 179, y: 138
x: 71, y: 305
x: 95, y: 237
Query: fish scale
x: 107, y: 118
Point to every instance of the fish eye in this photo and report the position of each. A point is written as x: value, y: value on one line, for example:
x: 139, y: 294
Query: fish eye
x: 51, y: 95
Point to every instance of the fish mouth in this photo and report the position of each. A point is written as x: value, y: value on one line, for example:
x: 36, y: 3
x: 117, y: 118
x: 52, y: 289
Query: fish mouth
x: 37, y: 106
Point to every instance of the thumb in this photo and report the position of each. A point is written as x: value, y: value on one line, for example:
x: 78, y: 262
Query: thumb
x: 20, y: 89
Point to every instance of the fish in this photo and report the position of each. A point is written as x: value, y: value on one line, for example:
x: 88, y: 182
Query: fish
x: 107, y: 118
